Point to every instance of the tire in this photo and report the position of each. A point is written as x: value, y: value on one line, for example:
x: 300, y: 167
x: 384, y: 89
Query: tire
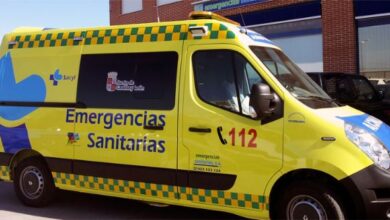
x: 309, y: 200
x: 33, y: 183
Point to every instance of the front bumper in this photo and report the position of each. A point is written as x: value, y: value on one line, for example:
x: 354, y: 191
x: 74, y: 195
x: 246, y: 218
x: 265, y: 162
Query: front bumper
x: 370, y: 192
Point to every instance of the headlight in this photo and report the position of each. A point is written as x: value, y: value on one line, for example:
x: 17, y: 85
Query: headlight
x: 369, y: 144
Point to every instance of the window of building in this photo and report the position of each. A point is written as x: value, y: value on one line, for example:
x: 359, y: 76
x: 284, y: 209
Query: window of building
x: 374, y: 47
x: 164, y: 2
x: 224, y: 79
x: 300, y: 40
x: 373, y: 20
x: 136, y: 80
x: 129, y: 6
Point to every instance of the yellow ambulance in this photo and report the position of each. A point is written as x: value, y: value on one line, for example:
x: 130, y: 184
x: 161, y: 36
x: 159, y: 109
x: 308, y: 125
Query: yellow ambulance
x: 200, y: 113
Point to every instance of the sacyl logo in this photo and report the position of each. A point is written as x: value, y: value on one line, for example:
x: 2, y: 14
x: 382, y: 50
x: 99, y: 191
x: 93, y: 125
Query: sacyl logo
x: 57, y: 76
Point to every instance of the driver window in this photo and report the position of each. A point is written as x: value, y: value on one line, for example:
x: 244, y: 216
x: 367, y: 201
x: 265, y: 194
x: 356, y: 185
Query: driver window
x: 224, y: 79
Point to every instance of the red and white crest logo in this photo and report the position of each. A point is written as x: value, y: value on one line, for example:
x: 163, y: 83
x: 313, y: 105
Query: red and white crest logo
x: 111, y: 81
x: 114, y: 84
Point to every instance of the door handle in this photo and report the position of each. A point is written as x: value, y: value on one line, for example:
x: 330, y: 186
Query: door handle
x: 223, y: 140
x: 200, y: 130
x: 154, y: 127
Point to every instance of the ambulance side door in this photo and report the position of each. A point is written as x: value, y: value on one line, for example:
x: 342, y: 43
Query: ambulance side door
x: 230, y: 153
x: 127, y: 128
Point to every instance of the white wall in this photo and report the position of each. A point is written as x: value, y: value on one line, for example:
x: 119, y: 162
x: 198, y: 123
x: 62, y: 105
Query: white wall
x: 164, y: 2
x: 129, y: 6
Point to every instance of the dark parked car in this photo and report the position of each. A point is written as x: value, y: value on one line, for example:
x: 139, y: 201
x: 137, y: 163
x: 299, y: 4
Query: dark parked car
x: 354, y: 90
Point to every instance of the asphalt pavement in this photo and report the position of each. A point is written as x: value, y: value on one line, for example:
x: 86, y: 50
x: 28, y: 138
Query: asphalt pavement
x: 72, y: 205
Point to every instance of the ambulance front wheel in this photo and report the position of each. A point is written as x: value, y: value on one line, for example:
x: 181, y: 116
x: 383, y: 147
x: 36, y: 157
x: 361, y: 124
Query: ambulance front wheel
x: 33, y: 183
x: 310, y: 201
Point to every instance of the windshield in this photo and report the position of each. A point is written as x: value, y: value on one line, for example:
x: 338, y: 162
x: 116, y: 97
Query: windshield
x: 348, y: 88
x: 364, y: 90
x: 293, y: 78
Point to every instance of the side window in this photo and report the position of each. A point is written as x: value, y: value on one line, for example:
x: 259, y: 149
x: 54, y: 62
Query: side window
x: 224, y: 78
x: 253, y: 76
x: 136, y: 80
x: 339, y: 88
x: 246, y: 76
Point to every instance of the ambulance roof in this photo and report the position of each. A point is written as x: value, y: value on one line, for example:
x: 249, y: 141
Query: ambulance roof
x: 215, y: 27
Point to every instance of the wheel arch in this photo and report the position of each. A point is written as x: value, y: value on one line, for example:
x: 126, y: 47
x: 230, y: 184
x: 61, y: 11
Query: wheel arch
x: 23, y: 155
x: 317, y: 177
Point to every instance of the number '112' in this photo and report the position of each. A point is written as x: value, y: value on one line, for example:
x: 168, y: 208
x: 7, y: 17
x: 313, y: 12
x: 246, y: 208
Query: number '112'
x: 252, y: 135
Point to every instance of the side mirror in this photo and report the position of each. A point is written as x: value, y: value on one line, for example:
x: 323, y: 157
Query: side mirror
x: 261, y: 100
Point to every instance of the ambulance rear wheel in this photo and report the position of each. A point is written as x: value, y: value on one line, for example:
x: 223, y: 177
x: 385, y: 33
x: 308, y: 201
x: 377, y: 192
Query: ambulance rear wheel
x: 33, y: 183
x: 310, y: 201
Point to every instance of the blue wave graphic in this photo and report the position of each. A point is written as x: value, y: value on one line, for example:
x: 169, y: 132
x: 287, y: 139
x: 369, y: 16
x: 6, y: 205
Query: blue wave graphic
x: 30, y: 89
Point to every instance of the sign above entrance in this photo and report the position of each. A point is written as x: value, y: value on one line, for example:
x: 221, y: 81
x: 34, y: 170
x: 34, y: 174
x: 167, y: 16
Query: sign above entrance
x: 223, y: 4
